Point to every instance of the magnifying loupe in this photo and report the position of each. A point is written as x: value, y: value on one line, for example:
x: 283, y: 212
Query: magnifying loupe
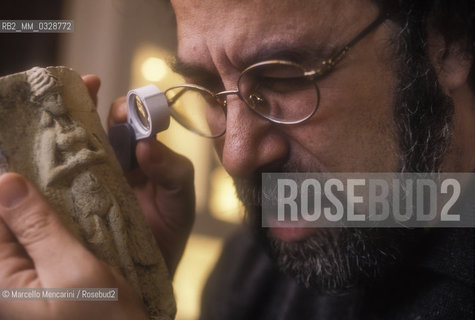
x: 147, y: 115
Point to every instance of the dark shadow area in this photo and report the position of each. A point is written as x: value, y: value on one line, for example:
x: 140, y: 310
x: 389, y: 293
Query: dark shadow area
x: 21, y: 51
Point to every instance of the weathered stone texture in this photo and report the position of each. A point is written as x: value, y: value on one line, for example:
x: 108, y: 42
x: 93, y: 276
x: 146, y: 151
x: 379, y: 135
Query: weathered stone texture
x: 50, y: 133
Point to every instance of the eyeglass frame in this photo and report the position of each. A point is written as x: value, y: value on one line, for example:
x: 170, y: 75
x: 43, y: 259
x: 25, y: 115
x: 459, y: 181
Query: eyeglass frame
x: 324, y: 69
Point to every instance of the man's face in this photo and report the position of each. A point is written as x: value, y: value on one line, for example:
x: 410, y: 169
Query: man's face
x: 353, y: 129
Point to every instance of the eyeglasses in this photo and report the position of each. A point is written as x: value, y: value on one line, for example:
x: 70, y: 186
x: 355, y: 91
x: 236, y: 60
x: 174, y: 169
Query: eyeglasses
x: 280, y: 91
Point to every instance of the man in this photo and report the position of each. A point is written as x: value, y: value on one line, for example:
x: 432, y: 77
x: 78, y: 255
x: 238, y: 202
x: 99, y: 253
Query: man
x: 401, y: 98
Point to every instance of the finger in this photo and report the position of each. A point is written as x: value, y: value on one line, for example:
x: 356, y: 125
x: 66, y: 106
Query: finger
x: 164, y: 166
x: 167, y: 198
x: 56, y: 254
x: 16, y: 268
x: 117, y: 112
x: 92, y: 83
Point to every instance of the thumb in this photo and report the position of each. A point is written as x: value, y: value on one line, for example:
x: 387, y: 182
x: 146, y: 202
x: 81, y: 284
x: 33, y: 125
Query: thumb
x: 92, y: 83
x: 55, y: 253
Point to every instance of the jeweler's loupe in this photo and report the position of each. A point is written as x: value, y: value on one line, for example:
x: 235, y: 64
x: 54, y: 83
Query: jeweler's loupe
x: 147, y: 115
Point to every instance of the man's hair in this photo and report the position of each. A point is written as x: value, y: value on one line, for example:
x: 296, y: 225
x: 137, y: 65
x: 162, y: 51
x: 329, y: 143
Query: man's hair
x: 454, y: 20
x: 423, y: 113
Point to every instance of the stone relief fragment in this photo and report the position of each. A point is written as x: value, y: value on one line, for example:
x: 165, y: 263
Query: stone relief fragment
x: 50, y: 133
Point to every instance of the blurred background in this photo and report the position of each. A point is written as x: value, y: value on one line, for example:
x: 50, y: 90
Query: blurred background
x: 129, y: 43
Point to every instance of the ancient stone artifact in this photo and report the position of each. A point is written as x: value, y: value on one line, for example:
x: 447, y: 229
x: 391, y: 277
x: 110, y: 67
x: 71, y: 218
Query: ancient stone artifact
x: 51, y: 134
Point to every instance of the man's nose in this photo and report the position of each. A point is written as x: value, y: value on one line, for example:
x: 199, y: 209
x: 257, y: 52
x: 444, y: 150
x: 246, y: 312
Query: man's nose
x: 251, y: 142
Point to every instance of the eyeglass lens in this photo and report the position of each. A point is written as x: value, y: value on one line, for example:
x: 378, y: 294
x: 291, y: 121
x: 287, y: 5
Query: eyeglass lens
x: 279, y: 92
x: 197, y: 110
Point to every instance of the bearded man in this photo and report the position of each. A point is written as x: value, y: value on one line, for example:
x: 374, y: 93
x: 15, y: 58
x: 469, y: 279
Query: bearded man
x: 396, y: 93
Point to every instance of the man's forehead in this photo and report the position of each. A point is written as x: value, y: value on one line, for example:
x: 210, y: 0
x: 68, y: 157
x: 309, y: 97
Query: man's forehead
x: 245, y: 31
x: 221, y: 15
x: 216, y: 13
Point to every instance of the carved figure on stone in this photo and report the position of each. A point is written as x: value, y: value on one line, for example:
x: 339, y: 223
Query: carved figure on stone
x: 74, y: 169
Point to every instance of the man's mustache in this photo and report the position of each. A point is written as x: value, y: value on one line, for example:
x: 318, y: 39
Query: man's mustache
x: 249, y: 190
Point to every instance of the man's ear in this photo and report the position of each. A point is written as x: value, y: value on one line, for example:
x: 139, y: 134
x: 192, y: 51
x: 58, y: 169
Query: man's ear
x: 452, y: 64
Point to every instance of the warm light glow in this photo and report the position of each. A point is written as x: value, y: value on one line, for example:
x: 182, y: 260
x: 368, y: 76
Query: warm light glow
x: 182, y: 141
x: 202, y: 250
x: 200, y: 256
x: 154, y: 69
x: 224, y: 204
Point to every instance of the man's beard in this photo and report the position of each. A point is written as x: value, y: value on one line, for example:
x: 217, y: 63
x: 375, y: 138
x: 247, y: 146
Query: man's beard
x: 333, y: 260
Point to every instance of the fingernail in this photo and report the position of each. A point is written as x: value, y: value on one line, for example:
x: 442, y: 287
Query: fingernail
x: 122, y: 110
x: 12, y: 191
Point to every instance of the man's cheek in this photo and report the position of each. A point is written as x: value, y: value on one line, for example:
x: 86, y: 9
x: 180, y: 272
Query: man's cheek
x: 348, y: 145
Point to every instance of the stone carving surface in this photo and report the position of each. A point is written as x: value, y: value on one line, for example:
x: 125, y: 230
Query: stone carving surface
x: 50, y: 133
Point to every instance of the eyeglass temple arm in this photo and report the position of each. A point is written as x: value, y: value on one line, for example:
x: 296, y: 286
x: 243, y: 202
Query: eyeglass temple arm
x: 176, y: 96
x: 185, y: 87
x: 368, y: 29
x: 327, y: 65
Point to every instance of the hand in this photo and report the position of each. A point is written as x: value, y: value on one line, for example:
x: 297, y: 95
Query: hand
x: 164, y: 187
x: 92, y: 83
x: 36, y: 251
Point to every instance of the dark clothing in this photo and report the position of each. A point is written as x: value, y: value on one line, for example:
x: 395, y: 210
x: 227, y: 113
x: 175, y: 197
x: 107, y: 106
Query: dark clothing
x: 438, y: 284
